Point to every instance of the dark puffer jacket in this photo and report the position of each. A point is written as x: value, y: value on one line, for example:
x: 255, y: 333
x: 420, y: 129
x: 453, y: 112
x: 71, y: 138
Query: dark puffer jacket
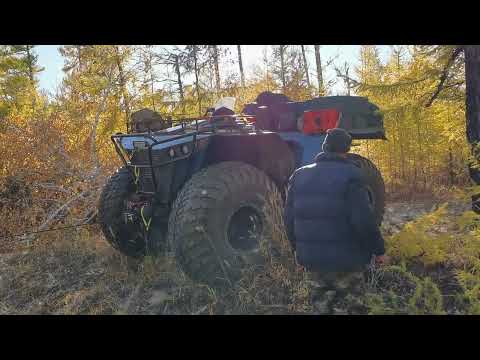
x: 328, y: 216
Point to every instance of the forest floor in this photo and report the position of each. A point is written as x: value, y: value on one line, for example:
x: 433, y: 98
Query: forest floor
x: 76, y: 272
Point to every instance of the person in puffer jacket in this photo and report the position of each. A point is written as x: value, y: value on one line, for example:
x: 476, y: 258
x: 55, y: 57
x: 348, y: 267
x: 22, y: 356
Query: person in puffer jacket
x: 331, y: 225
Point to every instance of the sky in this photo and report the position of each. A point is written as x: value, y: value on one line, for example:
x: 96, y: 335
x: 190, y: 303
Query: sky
x: 51, y: 60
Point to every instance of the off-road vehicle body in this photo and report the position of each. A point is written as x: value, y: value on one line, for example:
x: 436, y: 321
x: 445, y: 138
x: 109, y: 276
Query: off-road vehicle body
x: 203, y: 189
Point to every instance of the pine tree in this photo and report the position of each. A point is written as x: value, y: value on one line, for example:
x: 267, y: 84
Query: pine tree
x: 425, y: 145
x: 18, y: 78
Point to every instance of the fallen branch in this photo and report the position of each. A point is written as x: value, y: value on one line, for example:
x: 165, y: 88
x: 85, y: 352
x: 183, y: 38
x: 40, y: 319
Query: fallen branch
x: 57, y: 211
x: 200, y: 311
x: 52, y: 187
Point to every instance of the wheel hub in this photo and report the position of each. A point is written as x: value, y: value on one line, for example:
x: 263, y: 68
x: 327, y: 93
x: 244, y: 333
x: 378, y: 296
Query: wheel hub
x: 133, y: 207
x: 130, y: 217
x: 245, y: 228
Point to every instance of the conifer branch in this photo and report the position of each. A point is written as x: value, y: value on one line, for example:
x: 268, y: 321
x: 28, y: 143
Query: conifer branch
x: 444, y: 75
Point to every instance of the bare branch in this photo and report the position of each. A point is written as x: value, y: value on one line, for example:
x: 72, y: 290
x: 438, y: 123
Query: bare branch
x: 65, y: 206
x: 444, y: 75
x: 349, y: 82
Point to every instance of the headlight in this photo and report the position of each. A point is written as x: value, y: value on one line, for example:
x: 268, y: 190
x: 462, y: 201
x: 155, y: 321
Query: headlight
x: 185, y: 149
x: 171, y: 152
x: 140, y: 145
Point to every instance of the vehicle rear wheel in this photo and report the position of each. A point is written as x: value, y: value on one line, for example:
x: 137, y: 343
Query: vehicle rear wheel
x: 375, y: 184
x: 219, y: 222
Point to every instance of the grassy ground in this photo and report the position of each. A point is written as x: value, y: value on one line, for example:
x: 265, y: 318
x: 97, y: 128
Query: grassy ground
x: 76, y: 272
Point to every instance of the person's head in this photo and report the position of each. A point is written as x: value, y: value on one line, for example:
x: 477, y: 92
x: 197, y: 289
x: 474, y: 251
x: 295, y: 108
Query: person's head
x: 337, y: 141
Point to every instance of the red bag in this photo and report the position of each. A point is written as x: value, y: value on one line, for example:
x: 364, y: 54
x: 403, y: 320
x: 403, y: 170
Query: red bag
x: 319, y: 121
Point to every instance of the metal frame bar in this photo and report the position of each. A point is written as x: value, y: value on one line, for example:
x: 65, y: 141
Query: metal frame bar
x: 116, y: 139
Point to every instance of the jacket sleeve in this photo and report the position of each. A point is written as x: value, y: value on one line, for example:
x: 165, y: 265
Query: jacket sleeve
x: 362, y: 219
x: 289, y: 213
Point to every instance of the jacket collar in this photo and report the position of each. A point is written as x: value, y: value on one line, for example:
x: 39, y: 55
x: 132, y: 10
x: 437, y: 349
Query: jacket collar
x: 328, y: 156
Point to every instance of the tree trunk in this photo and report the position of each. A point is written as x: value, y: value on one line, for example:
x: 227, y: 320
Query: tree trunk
x: 123, y: 86
x: 347, y: 77
x: 451, y: 169
x: 420, y: 141
x: 390, y: 166
x: 79, y: 57
x: 152, y: 79
x: 195, y: 67
x: 305, y: 65
x: 31, y: 75
x: 240, y: 64
x: 402, y: 152
x: 265, y: 62
x: 472, y: 78
x: 217, y: 71
x: 319, y: 70
x: 30, y: 64
x: 282, y: 66
x: 100, y: 111
x: 179, y: 78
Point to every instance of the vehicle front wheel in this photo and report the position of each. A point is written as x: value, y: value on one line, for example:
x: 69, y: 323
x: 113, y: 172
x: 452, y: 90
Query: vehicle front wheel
x: 219, y: 222
x: 128, y: 238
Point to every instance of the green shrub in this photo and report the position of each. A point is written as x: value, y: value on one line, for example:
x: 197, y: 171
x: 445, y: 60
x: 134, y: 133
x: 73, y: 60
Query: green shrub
x: 426, y: 300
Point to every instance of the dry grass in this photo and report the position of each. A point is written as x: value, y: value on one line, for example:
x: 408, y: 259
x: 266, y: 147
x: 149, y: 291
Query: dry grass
x: 76, y: 272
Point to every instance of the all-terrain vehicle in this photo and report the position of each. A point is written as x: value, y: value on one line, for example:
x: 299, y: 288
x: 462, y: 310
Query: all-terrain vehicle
x: 201, y: 189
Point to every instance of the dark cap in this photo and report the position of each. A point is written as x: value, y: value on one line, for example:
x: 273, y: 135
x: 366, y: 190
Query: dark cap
x: 337, y: 140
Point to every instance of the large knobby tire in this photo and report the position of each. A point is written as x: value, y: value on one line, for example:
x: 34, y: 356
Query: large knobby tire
x: 375, y: 185
x: 111, y: 205
x: 209, y: 215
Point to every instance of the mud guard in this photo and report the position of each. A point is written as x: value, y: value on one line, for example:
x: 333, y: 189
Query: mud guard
x: 266, y: 151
